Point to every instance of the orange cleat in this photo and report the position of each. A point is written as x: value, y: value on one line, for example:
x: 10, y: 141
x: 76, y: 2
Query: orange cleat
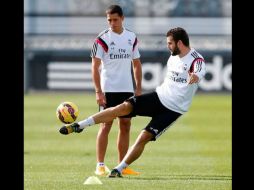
x: 128, y: 171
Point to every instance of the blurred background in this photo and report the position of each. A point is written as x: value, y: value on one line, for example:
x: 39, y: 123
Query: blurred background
x: 58, y: 37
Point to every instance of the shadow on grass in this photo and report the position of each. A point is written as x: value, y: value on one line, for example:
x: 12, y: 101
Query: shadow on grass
x: 184, y: 177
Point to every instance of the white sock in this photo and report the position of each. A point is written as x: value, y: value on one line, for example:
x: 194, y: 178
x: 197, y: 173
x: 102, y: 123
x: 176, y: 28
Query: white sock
x: 121, y: 166
x: 86, y: 123
x: 100, y: 164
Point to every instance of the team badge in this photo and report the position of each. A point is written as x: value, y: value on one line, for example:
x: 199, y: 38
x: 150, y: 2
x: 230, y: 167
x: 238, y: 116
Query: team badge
x: 185, y: 67
x: 129, y: 42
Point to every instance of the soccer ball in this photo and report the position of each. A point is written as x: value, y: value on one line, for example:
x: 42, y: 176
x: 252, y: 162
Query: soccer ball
x: 67, y: 112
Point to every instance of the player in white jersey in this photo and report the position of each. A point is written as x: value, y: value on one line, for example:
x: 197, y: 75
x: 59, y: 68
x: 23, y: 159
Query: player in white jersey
x: 185, y: 69
x: 114, y: 54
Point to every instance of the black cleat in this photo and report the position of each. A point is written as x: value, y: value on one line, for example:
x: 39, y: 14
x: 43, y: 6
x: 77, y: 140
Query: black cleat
x: 115, y: 173
x: 67, y: 129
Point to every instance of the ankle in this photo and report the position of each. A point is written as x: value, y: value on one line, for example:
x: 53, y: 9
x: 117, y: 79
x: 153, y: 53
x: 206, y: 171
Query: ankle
x: 99, y: 164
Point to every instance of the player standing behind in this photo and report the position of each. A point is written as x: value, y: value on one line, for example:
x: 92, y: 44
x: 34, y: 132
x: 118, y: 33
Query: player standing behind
x: 114, y: 53
x: 170, y: 100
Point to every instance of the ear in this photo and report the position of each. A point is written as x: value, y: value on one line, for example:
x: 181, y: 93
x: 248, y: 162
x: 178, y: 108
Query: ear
x: 179, y: 43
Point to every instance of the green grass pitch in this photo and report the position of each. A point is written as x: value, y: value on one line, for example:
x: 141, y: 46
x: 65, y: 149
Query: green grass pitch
x: 193, y: 154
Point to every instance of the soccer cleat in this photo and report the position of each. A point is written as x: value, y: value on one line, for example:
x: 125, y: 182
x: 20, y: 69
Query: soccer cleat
x: 67, y: 129
x: 115, y: 173
x: 102, y: 170
x: 128, y: 171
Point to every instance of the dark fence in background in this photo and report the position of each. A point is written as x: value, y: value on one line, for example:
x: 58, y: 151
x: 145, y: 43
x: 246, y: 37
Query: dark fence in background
x: 71, y: 71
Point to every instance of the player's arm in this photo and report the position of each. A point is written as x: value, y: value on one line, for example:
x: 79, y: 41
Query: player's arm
x: 137, y: 71
x: 100, y: 98
x: 197, y: 71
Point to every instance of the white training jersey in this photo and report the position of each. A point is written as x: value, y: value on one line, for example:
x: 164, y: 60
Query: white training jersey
x: 175, y: 93
x: 116, y: 52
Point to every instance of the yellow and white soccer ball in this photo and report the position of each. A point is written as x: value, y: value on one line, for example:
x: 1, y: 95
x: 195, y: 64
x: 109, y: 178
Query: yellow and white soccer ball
x: 67, y: 112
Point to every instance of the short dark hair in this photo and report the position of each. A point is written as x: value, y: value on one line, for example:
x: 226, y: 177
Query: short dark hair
x: 179, y: 33
x: 114, y: 9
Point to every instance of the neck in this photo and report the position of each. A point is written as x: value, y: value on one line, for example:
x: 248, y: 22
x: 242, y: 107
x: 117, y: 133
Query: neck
x: 184, y: 51
x: 118, y: 31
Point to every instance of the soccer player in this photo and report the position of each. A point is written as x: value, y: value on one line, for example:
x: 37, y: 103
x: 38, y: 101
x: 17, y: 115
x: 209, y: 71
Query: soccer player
x: 114, y: 54
x: 170, y: 100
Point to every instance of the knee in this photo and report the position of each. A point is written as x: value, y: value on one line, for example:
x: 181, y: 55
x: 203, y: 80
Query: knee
x: 124, y: 125
x: 144, y: 138
x: 125, y: 122
x: 105, y: 128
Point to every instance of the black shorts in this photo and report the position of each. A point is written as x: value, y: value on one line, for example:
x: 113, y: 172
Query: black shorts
x: 116, y: 98
x: 150, y: 105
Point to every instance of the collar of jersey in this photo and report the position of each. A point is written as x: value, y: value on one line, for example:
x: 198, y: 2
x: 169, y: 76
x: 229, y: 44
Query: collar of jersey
x: 117, y: 33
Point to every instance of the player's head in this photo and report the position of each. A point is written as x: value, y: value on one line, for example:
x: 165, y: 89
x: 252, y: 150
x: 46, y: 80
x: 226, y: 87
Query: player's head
x: 115, y: 17
x: 176, y: 39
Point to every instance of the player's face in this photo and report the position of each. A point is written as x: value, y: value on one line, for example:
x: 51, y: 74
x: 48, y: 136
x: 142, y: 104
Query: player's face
x: 115, y: 22
x: 172, y: 46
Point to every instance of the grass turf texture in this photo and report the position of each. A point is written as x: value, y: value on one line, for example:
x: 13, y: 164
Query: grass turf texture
x: 194, y: 153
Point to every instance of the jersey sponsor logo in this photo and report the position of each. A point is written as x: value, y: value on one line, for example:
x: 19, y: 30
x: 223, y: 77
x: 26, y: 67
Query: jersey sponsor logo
x: 174, y: 77
x: 122, y: 55
x: 119, y: 56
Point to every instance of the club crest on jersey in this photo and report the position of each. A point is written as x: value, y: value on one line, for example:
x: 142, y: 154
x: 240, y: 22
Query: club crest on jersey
x: 129, y: 42
x: 185, y: 67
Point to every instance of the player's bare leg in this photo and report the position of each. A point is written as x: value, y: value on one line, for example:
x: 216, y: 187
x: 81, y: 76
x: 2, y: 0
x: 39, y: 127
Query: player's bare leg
x: 133, y: 154
x: 123, y: 143
x: 123, y: 137
x: 101, y: 147
x: 138, y: 147
x: 111, y: 113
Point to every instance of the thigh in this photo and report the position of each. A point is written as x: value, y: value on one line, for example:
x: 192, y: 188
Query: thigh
x: 161, y: 122
x: 147, y: 105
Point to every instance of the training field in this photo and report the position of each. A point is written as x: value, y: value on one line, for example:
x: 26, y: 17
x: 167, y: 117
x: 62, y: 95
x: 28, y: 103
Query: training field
x: 193, y: 154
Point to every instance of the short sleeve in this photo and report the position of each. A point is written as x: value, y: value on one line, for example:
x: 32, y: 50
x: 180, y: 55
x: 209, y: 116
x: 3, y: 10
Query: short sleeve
x: 135, y: 50
x: 98, y: 48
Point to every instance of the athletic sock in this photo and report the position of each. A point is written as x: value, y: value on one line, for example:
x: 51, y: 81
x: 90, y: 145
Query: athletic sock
x: 121, y: 166
x: 86, y: 123
x: 100, y: 164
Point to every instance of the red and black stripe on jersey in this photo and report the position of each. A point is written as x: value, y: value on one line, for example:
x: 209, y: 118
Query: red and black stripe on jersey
x: 135, y: 43
x: 100, y: 41
x: 196, y: 62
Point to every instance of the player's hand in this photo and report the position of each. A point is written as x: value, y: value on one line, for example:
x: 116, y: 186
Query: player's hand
x: 100, y: 99
x: 193, y: 78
